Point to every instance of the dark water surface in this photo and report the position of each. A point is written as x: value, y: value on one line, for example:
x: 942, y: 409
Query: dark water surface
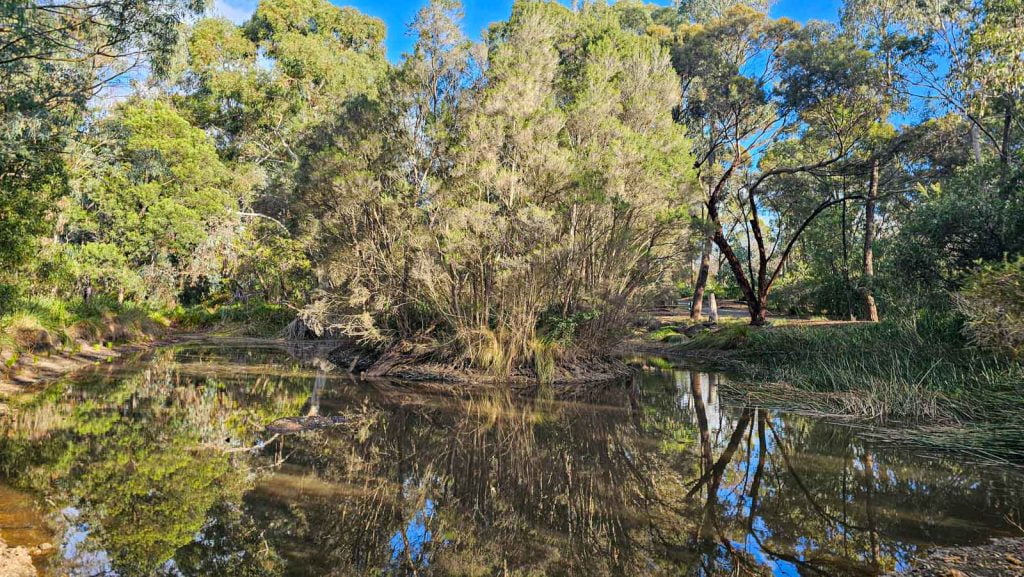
x: 145, y: 469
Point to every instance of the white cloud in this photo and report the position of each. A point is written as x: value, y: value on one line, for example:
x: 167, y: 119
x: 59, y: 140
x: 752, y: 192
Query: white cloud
x: 237, y: 11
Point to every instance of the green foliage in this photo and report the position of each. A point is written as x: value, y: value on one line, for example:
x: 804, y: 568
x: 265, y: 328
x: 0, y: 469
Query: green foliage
x: 251, y: 318
x: 268, y: 89
x: 148, y: 219
x: 993, y: 302
x: 53, y: 59
x: 994, y: 70
x: 666, y: 335
x: 565, y: 329
x: 976, y: 215
x: 140, y: 460
x: 47, y: 324
x: 539, y: 188
x: 707, y: 10
x: 489, y: 211
x: 728, y: 337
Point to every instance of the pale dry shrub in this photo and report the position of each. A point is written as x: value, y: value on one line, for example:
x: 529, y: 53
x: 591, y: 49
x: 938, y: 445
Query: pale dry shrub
x: 550, y: 190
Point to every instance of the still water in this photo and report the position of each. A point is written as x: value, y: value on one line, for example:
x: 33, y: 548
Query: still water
x: 164, y: 466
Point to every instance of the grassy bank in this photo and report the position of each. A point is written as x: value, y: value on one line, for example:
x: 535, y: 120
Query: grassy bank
x: 42, y: 338
x: 39, y: 325
x: 913, y: 372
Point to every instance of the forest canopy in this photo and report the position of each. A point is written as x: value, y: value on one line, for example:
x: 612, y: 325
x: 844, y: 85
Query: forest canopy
x: 516, y: 201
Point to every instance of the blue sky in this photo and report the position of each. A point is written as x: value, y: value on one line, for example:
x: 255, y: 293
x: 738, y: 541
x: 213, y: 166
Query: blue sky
x: 479, y: 13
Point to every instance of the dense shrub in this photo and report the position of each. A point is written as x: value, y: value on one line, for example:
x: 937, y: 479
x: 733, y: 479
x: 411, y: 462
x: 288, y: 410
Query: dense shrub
x: 992, y: 300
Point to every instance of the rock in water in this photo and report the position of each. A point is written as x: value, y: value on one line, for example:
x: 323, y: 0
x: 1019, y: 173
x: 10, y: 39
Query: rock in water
x: 15, y: 562
x: 291, y: 425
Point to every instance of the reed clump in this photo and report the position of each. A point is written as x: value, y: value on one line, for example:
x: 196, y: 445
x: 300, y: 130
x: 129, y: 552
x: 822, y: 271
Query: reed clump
x: 909, y: 371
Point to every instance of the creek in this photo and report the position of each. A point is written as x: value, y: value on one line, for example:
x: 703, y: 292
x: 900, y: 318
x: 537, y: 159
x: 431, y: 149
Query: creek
x: 164, y: 465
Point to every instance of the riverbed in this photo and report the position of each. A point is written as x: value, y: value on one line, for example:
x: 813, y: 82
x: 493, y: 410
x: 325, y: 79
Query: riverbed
x: 164, y: 465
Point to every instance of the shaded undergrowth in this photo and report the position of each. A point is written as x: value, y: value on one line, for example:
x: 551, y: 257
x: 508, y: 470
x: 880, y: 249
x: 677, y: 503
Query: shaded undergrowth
x: 248, y: 319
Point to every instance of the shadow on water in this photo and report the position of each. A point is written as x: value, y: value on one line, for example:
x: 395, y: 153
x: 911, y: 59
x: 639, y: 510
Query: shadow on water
x: 166, y: 468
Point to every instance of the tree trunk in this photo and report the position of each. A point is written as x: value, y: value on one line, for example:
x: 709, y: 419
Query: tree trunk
x: 697, y: 304
x: 869, y: 486
x: 736, y: 265
x: 758, y: 311
x: 697, y: 395
x: 976, y: 143
x: 1004, y: 150
x: 847, y: 285
x: 314, y: 397
x: 869, y: 242
x: 713, y: 306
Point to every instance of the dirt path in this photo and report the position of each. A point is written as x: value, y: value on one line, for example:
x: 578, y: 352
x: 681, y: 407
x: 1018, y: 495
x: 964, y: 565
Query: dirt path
x: 732, y: 310
x: 680, y: 313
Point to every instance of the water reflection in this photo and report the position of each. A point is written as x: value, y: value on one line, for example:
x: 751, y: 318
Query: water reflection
x: 151, y: 471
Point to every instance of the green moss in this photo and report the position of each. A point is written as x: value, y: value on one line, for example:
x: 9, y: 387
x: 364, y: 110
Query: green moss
x: 665, y: 335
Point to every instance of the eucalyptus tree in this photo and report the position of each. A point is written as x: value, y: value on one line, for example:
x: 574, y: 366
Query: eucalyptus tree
x: 964, y: 59
x: 996, y: 71
x: 265, y: 90
x: 148, y: 212
x: 705, y: 118
x: 54, y: 58
x: 957, y: 60
x: 754, y: 87
x: 703, y: 11
x: 872, y: 26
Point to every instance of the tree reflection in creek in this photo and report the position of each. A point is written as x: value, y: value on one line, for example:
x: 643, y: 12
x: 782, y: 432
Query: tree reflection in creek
x: 654, y: 477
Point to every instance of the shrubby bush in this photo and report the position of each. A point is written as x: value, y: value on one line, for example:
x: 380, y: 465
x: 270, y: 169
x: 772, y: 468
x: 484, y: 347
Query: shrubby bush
x: 539, y: 202
x: 992, y: 301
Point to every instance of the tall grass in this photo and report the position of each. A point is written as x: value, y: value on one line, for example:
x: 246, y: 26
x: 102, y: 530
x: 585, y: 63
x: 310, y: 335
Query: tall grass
x: 921, y: 370
x: 38, y: 324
